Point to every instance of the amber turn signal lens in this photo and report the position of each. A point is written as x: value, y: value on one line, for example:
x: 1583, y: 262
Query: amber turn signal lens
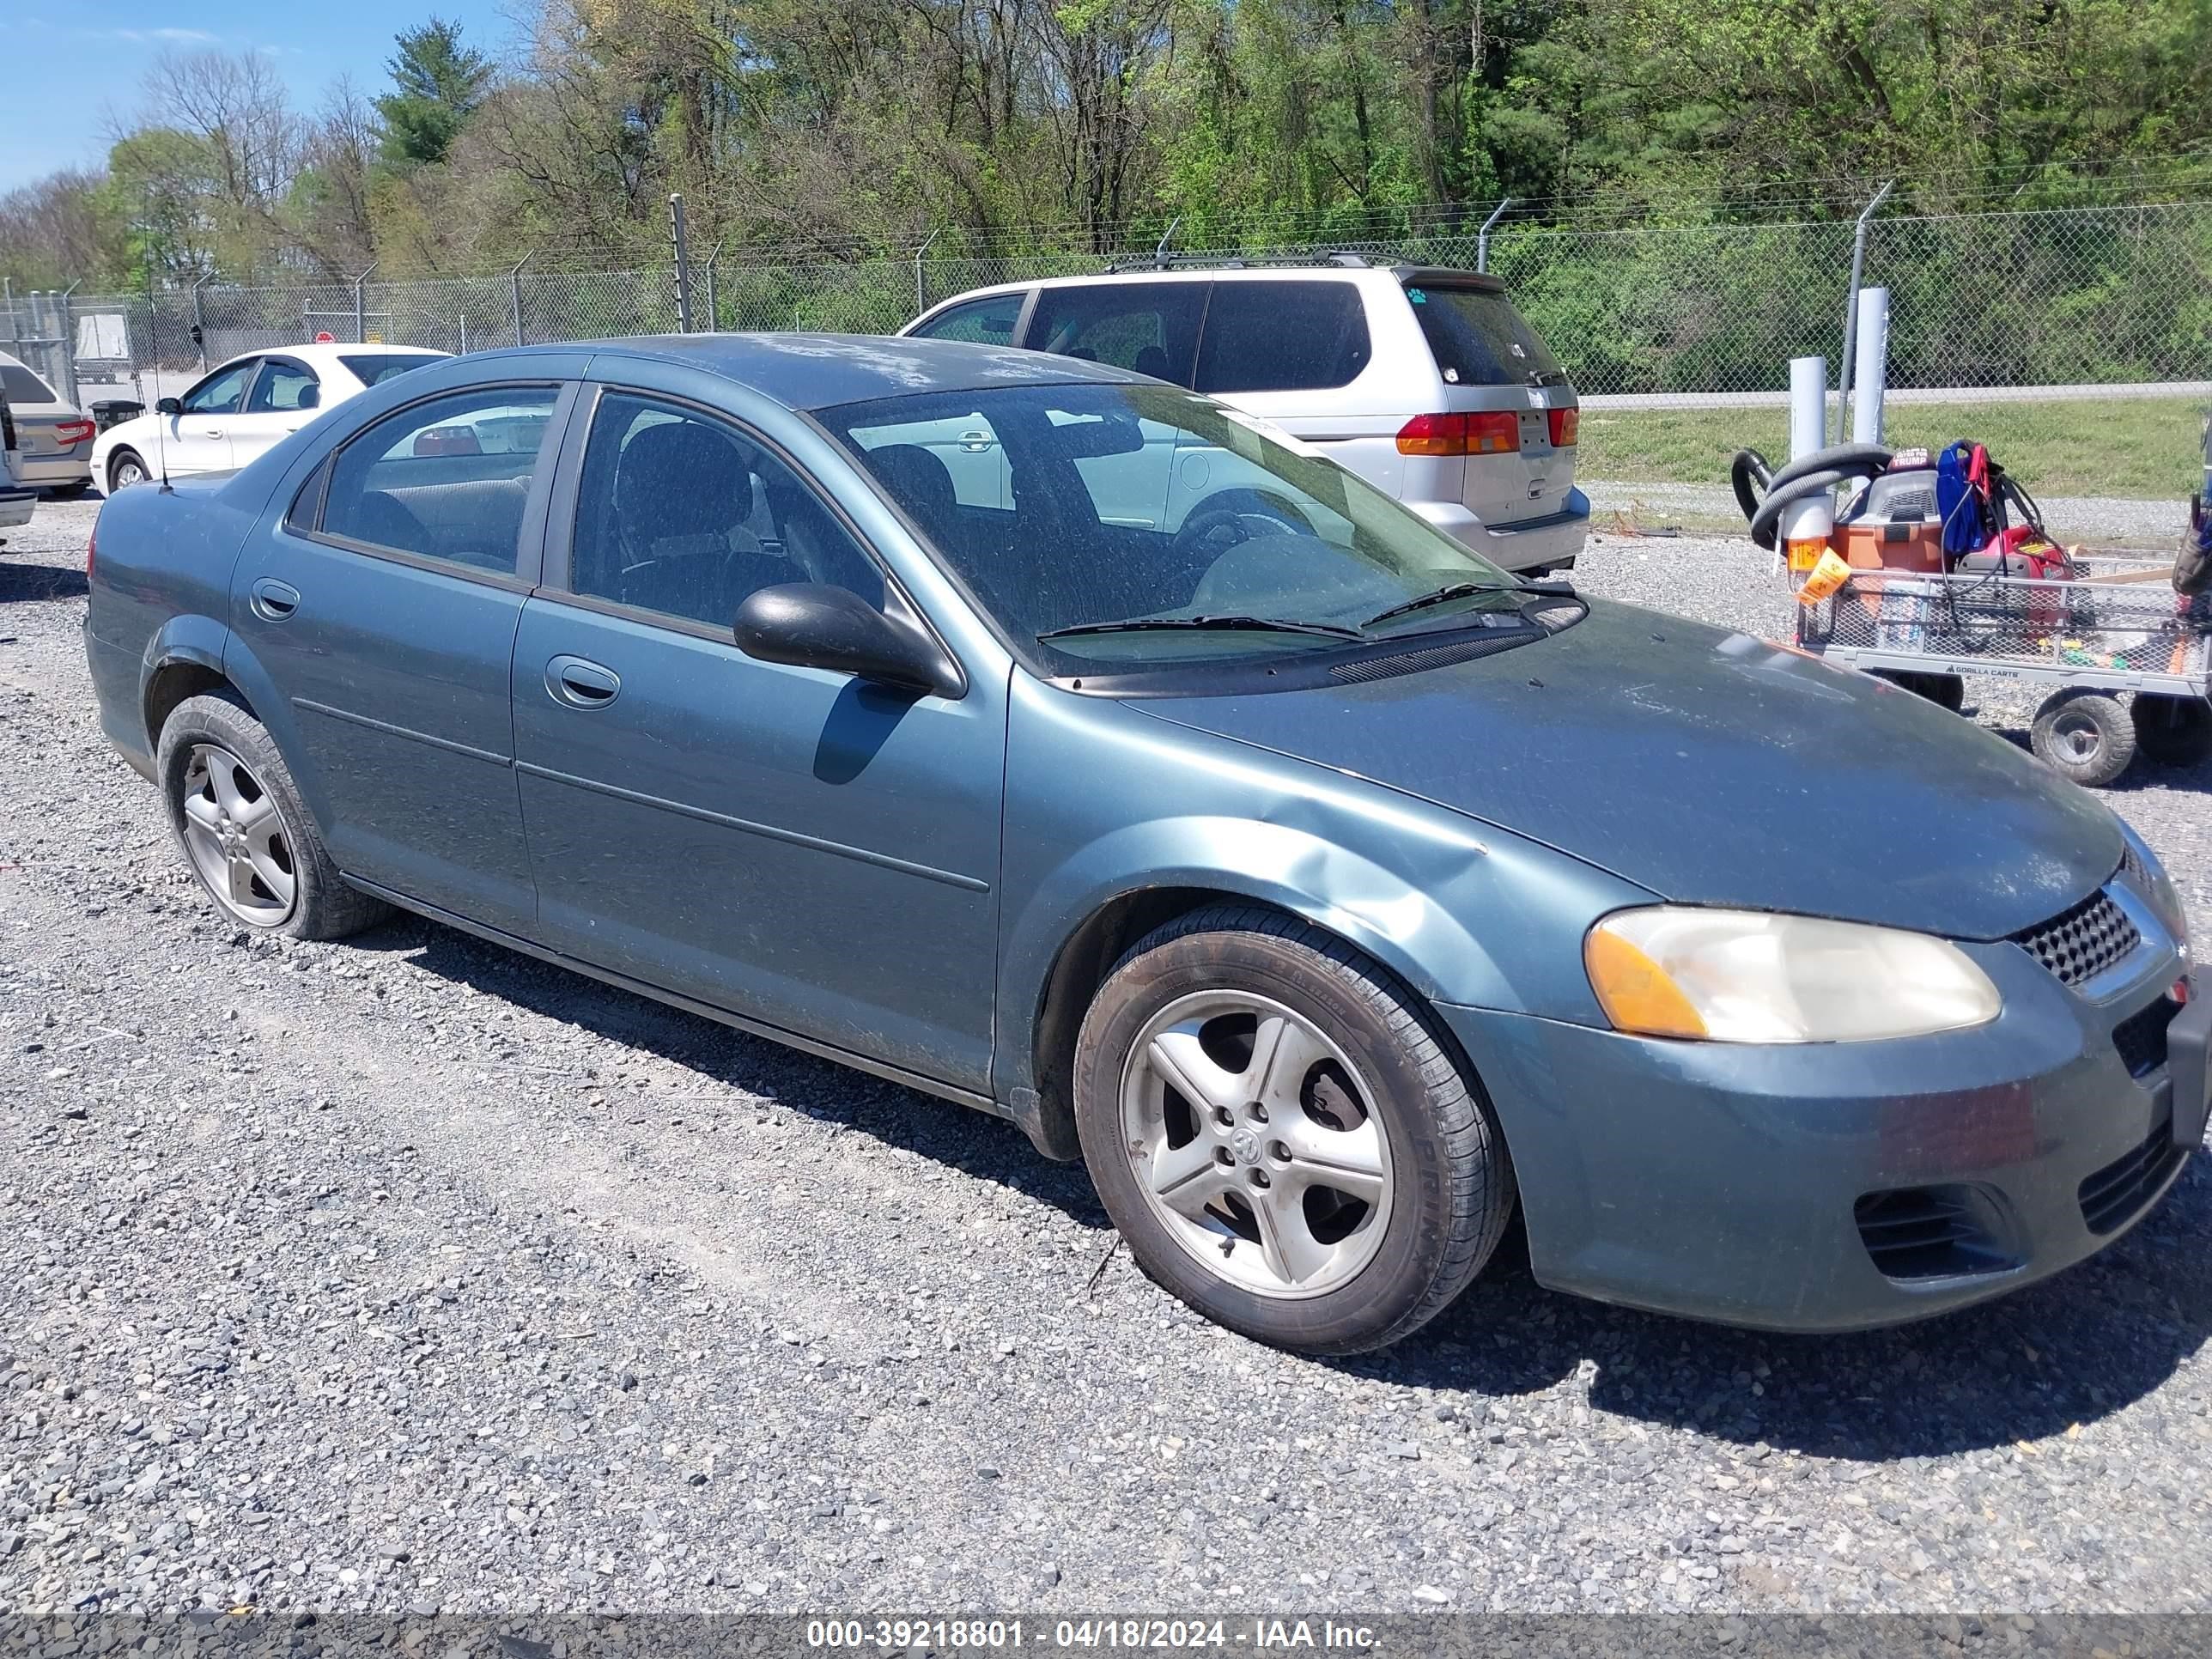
x: 1634, y: 991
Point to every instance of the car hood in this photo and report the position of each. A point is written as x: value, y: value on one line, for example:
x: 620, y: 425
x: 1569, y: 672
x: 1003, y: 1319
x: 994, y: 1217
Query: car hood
x: 1711, y: 768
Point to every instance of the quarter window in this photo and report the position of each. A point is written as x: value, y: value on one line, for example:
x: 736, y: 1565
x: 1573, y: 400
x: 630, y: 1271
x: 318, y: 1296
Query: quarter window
x: 983, y: 322
x: 686, y: 516
x: 1282, y: 337
x: 446, y: 480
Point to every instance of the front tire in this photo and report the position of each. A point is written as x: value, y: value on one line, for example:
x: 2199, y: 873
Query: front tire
x: 70, y: 492
x: 243, y: 828
x: 1282, y: 1135
x: 124, y: 469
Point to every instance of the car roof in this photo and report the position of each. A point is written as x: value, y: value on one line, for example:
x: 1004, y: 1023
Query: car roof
x: 325, y: 354
x: 1285, y: 270
x: 821, y: 371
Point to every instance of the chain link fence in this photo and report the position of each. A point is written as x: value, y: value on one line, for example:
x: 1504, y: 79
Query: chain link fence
x: 2098, y: 295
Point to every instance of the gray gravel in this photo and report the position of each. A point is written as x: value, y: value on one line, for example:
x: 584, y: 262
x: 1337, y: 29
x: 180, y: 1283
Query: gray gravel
x: 411, y: 1273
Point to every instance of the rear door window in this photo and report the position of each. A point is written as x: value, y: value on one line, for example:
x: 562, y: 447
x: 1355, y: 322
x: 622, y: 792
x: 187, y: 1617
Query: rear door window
x: 284, y: 387
x: 1478, y: 339
x: 445, y: 480
x: 981, y: 322
x: 1150, y: 328
x: 1282, y: 337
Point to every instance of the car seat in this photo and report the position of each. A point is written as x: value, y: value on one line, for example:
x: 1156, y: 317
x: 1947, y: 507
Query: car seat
x: 682, y: 493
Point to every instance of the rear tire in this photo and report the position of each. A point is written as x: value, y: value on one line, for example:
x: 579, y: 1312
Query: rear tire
x: 70, y: 492
x: 2173, y: 731
x: 2084, y: 736
x: 245, y: 832
x: 1336, y: 1181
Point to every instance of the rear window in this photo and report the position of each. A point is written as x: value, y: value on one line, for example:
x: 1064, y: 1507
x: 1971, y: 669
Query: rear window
x: 1282, y: 337
x: 1478, y: 339
x: 375, y: 370
x: 24, y: 387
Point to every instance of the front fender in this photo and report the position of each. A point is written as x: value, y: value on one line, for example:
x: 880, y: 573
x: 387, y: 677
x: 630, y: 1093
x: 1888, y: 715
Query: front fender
x: 1463, y: 912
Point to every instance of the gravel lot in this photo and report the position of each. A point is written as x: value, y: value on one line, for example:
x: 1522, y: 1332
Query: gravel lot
x: 408, y: 1272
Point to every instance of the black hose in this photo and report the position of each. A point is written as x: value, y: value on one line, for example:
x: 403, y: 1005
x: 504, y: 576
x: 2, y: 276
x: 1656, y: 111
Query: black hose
x: 1789, y: 494
x: 1854, y: 460
x: 1750, y: 468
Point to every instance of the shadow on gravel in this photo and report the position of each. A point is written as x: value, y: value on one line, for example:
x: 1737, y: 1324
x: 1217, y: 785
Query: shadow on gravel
x: 22, y: 582
x: 2070, y: 1350
x: 957, y: 1136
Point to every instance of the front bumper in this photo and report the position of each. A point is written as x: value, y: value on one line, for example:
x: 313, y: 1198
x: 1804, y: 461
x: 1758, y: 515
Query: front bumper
x: 1726, y: 1182
x: 1551, y: 543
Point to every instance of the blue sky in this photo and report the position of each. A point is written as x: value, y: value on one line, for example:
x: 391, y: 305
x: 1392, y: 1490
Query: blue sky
x: 86, y: 60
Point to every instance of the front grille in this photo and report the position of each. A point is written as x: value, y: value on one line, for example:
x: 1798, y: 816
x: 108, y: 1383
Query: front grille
x: 1932, y: 1232
x: 2140, y: 1037
x: 2116, y: 1194
x: 2083, y: 942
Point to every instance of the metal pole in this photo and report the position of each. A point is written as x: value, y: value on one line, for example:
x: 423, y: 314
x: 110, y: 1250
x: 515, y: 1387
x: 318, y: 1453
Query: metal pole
x: 1160, y: 253
x: 1873, y: 371
x: 921, y: 292
x: 360, y: 305
x: 514, y: 292
x: 713, y: 295
x: 65, y: 350
x: 1851, y: 304
x: 200, y: 325
x: 1482, y: 236
x: 8, y: 306
x: 682, y: 262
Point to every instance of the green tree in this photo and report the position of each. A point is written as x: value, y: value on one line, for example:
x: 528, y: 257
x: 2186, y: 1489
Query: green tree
x: 440, y: 83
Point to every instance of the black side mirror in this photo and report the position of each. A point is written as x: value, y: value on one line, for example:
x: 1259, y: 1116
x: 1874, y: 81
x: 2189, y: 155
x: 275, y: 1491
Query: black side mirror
x: 815, y: 626
x: 169, y: 406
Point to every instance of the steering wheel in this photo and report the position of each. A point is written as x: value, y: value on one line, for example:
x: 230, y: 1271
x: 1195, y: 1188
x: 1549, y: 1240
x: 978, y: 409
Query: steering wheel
x: 1236, y: 516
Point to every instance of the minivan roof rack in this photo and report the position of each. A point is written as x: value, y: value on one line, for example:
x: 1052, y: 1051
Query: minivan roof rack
x: 1237, y: 261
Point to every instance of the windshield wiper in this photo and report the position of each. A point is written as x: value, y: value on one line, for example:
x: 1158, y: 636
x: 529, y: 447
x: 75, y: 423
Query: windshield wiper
x: 1451, y: 590
x: 1221, y: 624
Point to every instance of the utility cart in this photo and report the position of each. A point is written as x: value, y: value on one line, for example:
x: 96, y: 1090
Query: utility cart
x: 2117, y: 628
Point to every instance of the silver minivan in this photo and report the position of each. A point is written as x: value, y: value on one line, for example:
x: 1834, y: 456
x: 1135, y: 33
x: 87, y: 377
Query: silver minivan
x: 1427, y: 383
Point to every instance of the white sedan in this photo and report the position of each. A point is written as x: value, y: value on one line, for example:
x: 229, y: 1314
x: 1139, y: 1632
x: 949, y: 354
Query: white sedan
x: 242, y: 408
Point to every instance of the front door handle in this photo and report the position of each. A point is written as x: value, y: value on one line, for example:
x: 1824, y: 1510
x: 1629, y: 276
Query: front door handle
x: 210, y: 432
x: 272, y: 600
x: 581, y: 684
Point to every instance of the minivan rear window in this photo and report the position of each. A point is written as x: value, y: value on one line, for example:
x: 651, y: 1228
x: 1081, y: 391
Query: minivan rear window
x: 1478, y: 339
x: 1282, y: 337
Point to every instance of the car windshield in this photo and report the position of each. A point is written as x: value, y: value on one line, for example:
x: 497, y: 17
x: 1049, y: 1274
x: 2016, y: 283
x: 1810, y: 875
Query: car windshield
x: 374, y: 368
x: 1160, y: 526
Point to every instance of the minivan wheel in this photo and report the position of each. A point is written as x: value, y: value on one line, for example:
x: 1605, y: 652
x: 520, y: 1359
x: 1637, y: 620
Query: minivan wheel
x: 1282, y: 1135
x: 245, y: 832
x: 125, y: 469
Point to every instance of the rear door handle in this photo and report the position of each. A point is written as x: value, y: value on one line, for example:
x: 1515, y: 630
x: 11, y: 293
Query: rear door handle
x: 272, y: 600
x: 582, y: 684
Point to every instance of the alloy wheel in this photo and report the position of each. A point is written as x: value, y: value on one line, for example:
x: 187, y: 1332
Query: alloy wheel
x: 125, y: 473
x: 1255, y: 1140
x: 236, y: 838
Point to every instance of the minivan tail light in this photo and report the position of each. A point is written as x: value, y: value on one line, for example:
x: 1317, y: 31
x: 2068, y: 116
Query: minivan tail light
x: 1433, y: 434
x: 1461, y: 434
x: 69, y: 433
x: 1565, y: 423
x: 1494, y: 434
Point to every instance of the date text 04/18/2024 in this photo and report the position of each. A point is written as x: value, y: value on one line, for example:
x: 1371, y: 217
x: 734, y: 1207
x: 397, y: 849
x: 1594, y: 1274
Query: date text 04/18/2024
x: 955, y: 1635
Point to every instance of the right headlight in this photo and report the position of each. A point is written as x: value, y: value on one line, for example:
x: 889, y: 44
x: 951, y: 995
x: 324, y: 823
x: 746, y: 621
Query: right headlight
x: 1750, y: 976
